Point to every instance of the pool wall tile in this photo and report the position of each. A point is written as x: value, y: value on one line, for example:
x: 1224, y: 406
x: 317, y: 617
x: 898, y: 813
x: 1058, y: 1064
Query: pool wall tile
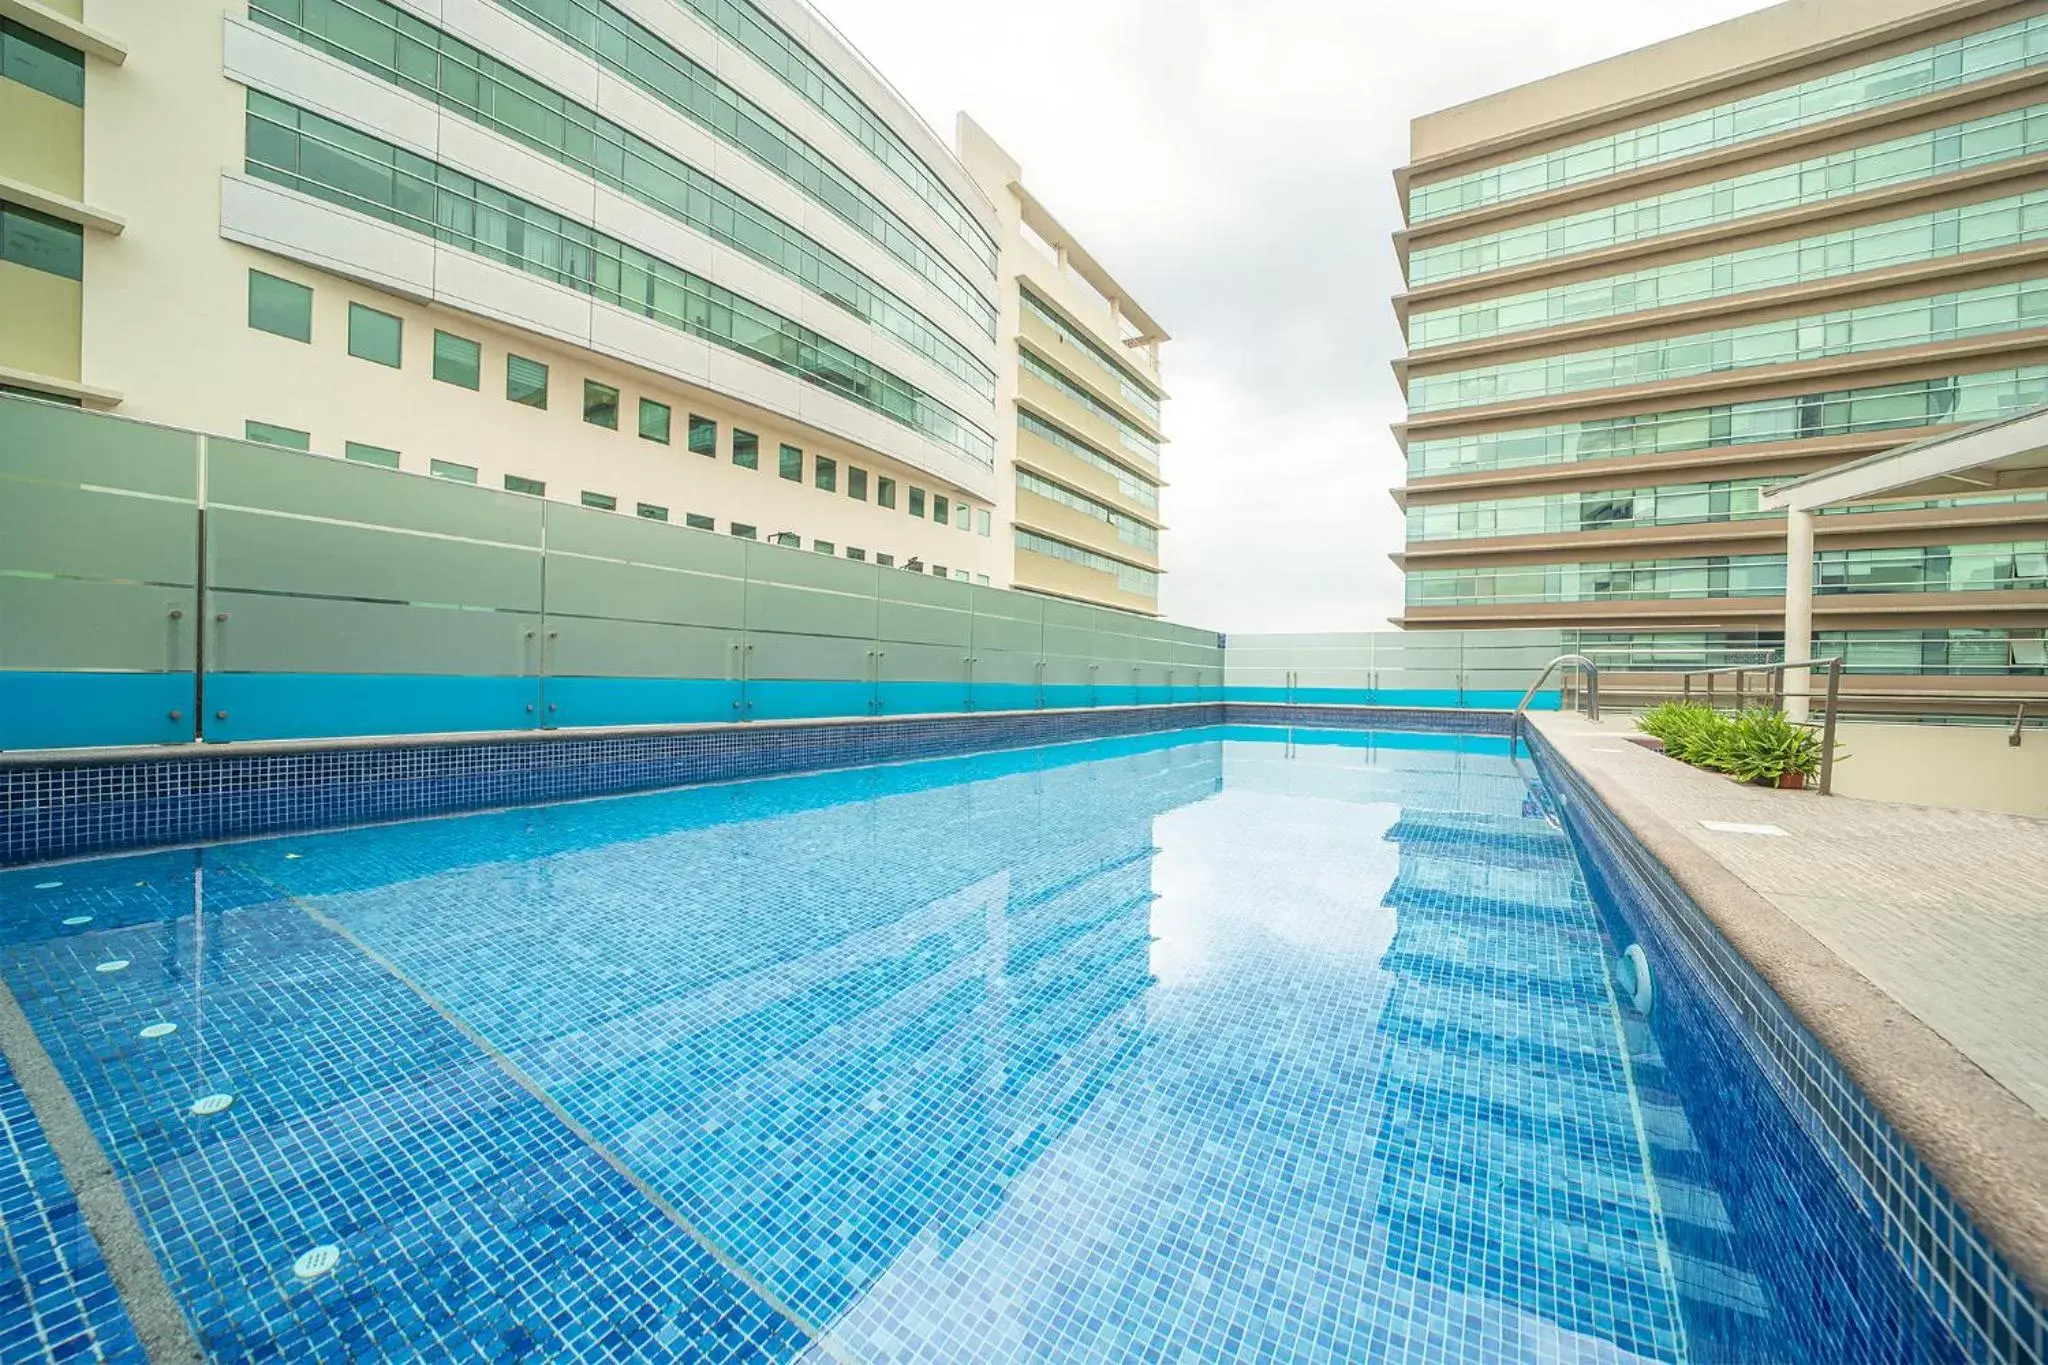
x: 1991, y: 1312
x: 70, y: 807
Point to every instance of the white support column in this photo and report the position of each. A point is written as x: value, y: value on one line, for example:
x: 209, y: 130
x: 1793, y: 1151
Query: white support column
x: 1798, y: 609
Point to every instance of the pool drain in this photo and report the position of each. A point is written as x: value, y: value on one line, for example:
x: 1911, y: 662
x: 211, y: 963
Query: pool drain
x: 73, y: 921
x: 1635, y: 978
x: 317, y: 1262
x: 159, y: 1030
x: 113, y: 964
x: 206, y: 1106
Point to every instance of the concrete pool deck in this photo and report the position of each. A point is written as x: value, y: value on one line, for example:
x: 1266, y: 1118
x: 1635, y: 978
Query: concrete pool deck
x: 1910, y: 940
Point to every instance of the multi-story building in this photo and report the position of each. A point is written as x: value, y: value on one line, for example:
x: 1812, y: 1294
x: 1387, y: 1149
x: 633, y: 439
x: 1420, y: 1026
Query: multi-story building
x: 1078, y: 405
x: 1644, y: 291
x: 690, y: 260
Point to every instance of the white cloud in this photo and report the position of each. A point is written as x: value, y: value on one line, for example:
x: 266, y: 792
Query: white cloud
x: 1231, y: 162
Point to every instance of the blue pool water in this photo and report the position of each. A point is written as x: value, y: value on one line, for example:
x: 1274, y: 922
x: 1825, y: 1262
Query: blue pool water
x: 1224, y: 1044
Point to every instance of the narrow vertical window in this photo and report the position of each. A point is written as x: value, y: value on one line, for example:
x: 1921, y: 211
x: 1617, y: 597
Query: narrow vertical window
x: 856, y: 483
x: 526, y: 381
x: 792, y: 464
x: 915, y: 506
x: 825, y: 473
x: 281, y: 307
x: 374, y: 336
x: 654, y: 420
x: 703, y: 436
x: 885, y: 491
x: 600, y: 405
x: 746, y: 449
x: 458, y: 361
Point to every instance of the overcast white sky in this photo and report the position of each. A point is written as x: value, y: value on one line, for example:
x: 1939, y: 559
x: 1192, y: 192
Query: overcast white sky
x: 1231, y: 162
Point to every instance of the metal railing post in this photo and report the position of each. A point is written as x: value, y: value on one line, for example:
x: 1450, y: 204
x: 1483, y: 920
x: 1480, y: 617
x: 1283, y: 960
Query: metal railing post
x: 2019, y: 726
x: 1827, y: 734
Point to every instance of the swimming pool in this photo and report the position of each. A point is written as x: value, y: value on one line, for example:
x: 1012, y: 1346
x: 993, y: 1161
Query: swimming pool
x: 1225, y: 1043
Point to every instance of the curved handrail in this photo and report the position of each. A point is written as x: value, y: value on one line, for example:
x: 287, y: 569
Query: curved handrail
x: 1586, y: 666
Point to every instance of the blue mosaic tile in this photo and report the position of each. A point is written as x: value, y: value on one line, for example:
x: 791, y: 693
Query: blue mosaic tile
x: 1737, y: 1031
x: 65, y: 809
x: 57, y: 1301
x: 1228, y: 1043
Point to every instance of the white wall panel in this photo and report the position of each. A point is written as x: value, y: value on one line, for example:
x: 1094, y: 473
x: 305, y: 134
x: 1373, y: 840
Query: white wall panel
x: 313, y: 80
x: 478, y: 285
x: 512, y: 40
x: 498, y: 160
x: 767, y: 90
x: 273, y: 218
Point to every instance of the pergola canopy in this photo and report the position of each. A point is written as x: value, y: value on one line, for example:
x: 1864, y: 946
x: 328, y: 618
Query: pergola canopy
x: 2004, y: 456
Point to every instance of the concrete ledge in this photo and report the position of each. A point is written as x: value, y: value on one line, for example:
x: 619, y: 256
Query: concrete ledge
x: 64, y: 29
x: 1988, y: 1147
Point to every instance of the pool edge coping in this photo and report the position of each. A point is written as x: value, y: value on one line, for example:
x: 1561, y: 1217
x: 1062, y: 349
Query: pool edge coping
x: 145, y: 1294
x: 1982, y: 1142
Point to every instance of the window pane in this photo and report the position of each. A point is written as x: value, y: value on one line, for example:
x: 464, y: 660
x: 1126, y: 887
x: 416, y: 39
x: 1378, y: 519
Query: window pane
x: 458, y: 360
x: 365, y: 454
x: 374, y: 336
x: 600, y: 405
x: 446, y: 469
x: 654, y: 420
x: 981, y: 520
x: 787, y: 538
x: 885, y: 491
x: 743, y: 531
x: 746, y: 449
x: 603, y: 502
x: 826, y: 473
x: 516, y: 484
x: 50, y: 245
x: 792, y: 466
x: 916, y: 504
x: 824, y: 547
x: 271, y: 435
x: 886, y: 561
x: 526, y: 381
x: 856, y: 483
x: 281, y: 307
x: 941, y: 509
x: 855, y: 552
x: 961, y: 513
x: 651, y: 512
x: 703, y: 436
x: 699, y: 522
x: 42, y: 63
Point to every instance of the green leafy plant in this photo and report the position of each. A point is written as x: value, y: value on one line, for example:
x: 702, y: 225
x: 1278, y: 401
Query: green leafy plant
x: 1764, y: 746
x: 1691, y: 733
x: 1757, y: 745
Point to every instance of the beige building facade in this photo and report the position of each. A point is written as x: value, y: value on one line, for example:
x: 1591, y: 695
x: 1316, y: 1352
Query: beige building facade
x: 1643, y: 293
x: 1080, y: 409
x: 727, y: 279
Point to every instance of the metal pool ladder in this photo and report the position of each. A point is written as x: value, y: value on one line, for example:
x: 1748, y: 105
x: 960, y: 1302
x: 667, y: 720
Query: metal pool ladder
x: 1586, y: 666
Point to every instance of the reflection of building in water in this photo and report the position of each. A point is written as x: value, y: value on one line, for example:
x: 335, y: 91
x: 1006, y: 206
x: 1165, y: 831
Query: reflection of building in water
x: 858, y: 1005
x: 1514, y: 1164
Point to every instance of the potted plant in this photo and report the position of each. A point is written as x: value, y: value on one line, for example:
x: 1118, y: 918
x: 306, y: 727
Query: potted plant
x: 1766, y: 749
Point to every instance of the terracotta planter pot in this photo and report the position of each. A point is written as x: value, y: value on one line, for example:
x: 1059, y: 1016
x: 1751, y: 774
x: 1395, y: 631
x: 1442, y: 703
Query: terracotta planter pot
x: 1791, y: 782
